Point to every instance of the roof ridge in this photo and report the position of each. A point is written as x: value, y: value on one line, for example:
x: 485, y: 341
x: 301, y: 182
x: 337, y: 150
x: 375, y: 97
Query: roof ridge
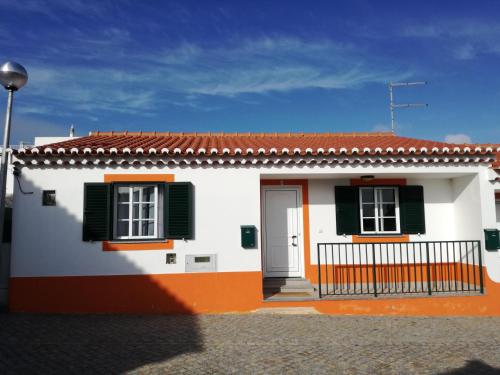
x: 240, y: 134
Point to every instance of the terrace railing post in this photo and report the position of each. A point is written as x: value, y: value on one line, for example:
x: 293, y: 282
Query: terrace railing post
x: 429, y: 288
x: 319, y: 273
x: 389, y: 276
x: 374, y: 271
x: 480, y: 264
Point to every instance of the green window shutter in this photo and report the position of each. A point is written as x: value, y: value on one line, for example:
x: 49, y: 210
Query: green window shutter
x: 97, y: 212
x: 347, y: 209
x: 411, y: 209
x: 178, y: 210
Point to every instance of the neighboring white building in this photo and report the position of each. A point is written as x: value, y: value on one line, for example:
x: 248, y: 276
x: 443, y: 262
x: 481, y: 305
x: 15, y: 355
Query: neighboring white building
x: 168, y: 222
x: 40, y: 141
x: 37, y: 142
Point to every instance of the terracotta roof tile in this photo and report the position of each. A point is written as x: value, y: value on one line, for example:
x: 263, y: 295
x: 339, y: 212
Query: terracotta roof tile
x: 302, y: 143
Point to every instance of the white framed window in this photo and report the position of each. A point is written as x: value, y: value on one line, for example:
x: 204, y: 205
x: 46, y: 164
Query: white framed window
x: 379, y: 210
x: 136, y: 211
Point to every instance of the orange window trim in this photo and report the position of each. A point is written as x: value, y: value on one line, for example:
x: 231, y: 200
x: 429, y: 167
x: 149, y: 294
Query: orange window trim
x: 309, y: 269
x: 379, y: 182
x: 137, y: 245
x: 376, y: 239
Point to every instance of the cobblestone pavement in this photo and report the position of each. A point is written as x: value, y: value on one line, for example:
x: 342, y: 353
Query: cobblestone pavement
x: 247, y: 344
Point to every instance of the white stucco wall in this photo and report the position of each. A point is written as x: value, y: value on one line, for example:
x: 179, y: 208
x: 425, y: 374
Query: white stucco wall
x: 439, y: 211
x: 47, y: 241
x: 486, y: 193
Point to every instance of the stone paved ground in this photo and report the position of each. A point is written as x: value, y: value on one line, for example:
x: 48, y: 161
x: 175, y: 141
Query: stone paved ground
x: 247, y: 344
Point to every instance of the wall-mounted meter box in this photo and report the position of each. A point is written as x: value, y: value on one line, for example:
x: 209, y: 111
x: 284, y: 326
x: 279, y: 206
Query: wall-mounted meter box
x: 492, y: 239
x: 201, y: 263
x: 248, y: 237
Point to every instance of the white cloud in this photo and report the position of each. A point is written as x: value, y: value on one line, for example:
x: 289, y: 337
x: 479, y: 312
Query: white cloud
x: 466, y: 51
x: 191, y: 73
x: 465, y: 39
x: 381, y: 128
x: 457, y: 138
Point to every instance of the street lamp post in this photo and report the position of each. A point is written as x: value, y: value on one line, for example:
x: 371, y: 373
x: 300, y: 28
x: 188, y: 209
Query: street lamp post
x: 13, y: 76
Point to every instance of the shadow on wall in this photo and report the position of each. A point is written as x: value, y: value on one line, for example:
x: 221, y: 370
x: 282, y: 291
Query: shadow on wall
x: 111, y: 344
x: 474, y: 367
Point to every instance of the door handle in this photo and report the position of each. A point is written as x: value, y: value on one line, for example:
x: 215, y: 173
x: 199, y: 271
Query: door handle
x: 293, y: 241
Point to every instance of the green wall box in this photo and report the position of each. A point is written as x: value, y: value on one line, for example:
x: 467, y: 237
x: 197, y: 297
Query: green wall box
x: 492, y: 239
x: 248, y: 236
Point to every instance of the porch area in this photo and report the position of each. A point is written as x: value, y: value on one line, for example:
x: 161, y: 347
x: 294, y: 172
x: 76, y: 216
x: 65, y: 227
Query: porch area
x: 332, y: 237
x: 386, y: 269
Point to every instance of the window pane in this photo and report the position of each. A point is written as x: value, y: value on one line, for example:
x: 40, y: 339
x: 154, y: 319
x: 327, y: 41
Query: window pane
x: 389, y: 224
x: 148, y: 228
x: 136, y: 193
x: 389, y: 209
x: 123, y: 194
x: 123, y: 211
x: 368, y: 210
x: 135, y: 228
x: 148, y: 194
x: 148, y: 211
x: 369, y: 225
x: 388, y: 195
x: 135, y: 210
x: 367, y: 195
x: 122, y: 228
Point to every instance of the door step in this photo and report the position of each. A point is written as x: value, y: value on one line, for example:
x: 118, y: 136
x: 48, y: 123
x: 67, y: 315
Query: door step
x: 288, y: 289
x: 287, y: 311
x: 288, y: 285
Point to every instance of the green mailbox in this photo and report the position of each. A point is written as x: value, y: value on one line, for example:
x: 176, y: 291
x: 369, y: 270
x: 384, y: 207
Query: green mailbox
x: 248, y: 236
x: 492, y: 239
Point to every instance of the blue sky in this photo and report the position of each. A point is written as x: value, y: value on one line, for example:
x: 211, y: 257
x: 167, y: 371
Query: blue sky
x: 254, y: 66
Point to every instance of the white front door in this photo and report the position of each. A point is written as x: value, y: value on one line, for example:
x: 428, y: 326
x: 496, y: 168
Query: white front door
x: 282, y: 225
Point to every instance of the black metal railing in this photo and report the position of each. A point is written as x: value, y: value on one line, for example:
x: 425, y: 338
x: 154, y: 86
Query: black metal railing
x: 399, y: 268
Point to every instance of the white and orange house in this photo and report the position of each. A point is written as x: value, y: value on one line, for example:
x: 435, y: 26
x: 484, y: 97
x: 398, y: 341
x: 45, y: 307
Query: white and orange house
x: 198, y: 223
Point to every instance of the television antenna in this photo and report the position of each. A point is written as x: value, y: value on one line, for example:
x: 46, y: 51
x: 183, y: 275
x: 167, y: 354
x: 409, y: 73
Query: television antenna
x: 393, y: 105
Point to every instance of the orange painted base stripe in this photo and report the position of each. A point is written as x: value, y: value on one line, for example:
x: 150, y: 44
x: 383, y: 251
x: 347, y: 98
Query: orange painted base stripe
x: 175, y: 293
x: 216, y: 293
